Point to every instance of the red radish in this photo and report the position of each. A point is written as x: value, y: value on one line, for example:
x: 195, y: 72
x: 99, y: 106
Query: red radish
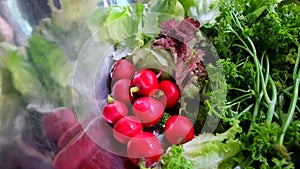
x: 93, y: 149
x: 159, y: 95
x: 126, y: 128
x: 179, y: 130
x: 58, y: 121
x: 122, y: 69
x: 102, y: 159
x: 121, y: 91
x: 148, y: 110
x: 71, y: 134
x: 114, y: 110
x: 80, y: 150
x: 145, y: 148
x: 171, y: 91
x: 72, y: 156
x: 144, y: 82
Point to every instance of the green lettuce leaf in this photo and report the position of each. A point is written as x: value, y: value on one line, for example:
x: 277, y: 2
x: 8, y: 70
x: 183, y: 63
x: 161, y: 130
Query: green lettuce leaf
x: 23, y: 75
x: 171, y: 7
x: 153, y: 58
x: 130, y: 28
x: 187, y: 4
x: 205, y: 11
x: 41, y: 74
x: 97, y: 19
x: 49, y: 60
x: 207, y: 151
x: 119, y: 23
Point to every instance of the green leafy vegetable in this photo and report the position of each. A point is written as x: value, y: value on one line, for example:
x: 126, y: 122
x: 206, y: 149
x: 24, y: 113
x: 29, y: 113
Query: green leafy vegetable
x: 43, y: 77
x: 174, y: 159
x: 258, y: 42
x: 129, y: 29
x: 251, y: 94
x: 187, y: 4
x: 49, y: 60
x: 170, y: 7
x: 208, y: 151
x: 24, y: 76
x: 205, y: 11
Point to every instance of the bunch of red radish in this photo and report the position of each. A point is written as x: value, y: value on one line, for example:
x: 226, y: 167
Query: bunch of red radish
x: 138, y: 100
x: 76, y: 147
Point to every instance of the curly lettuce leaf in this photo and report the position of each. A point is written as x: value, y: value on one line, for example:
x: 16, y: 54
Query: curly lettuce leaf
x: 207, y: 151
x: 205, y: 11
x: 174, y: 159
x: 115, y: 23
x: 119, y: 23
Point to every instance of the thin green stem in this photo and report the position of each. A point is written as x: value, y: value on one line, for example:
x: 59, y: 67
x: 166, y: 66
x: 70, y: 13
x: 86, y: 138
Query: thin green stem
x: 243, y: 47
x: 248, y: 95
x: 288, y: 89
x: 271, y: 109
x: 267, y: 74
x: 241, y: 101
x: 241, y: 90
x: 289, y: 95
x: 256, y: 109
x: 241, y: 39
x: 252, y: 46
x: 244, y: 111
x: 257, y: 83
x: 257, y: 105
x: 280, y: 105
x: 298, y: 109
x: 247, y: 162
x: 296, y: 63
x: 259, y: 71
x: 211, y: 109
x: 291, y: 110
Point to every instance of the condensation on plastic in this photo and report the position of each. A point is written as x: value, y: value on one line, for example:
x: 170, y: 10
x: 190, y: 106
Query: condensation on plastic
x: 90, y: 79
x: 32, y: 151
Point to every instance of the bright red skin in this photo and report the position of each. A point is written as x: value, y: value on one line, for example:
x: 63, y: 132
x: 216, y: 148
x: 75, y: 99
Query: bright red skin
x: 126, y: 128
x: 171, y: 91
x: 146, y: 81
x: 148, y: 110
x: 102, y: 159
x: 122, y: 69
x: 55, y: 123
x: 159, y: 95
x: 121, y: 91
x: 146, y: 147
x: 112, y: 112
x: 179, y: 130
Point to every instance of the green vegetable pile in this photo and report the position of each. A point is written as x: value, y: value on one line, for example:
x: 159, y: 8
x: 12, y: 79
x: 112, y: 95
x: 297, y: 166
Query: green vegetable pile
x: 258, y: 43
x: 250, y: 96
